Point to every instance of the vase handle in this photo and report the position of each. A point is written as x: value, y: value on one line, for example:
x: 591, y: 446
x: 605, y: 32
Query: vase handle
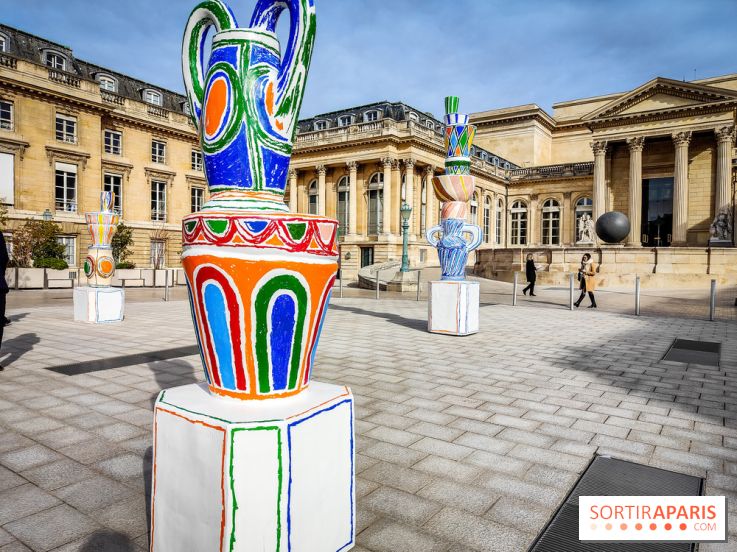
x: 476, y: 236
x: 210, y: 13
x: 295, y: 59
x: 430, y: 235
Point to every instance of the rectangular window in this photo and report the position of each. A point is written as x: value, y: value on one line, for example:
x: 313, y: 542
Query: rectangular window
x: 66, y: 187
x: 113, y: 142
x: 487, y: 222
x: 114, y: 183
x: 7, y: 178
x: 55, y: 61
x: 375, y: 211
x: 498, y: 226
x: 196, y: 160
x: 158, y: 151
x: 197, y: 199
x: 158, y: 200
x: 3, y: 44
x: 312, y: 207
x: 344, y: 121
x: 342, y: 213
x: 158, y: 253
x: 70, y: 249
x: 66, y: 128
x: 6, y: 115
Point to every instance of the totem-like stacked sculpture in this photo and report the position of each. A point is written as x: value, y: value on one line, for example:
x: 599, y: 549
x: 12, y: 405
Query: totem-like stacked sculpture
x: 454, y: 301
x: 98, y: 302
x: 259, y: 457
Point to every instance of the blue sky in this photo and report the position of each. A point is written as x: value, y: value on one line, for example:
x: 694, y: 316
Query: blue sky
x: 491, y: 53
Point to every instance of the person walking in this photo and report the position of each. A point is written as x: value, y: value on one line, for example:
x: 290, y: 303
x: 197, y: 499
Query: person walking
x: 587, y: 275
x: 531, y: 274
x: 3, y: 286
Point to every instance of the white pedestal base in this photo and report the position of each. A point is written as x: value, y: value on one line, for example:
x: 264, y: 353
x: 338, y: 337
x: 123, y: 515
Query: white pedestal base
x: 453, y: 307
x: 275, y: 474
x: 98, y: 305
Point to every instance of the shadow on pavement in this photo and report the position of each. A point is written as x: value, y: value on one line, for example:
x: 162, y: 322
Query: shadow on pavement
x: 148, y: 459
x: 18, y: 316
x: 107, y: 541
x: 17, y: 346
x: 411, y: 323
x: 171, y: 373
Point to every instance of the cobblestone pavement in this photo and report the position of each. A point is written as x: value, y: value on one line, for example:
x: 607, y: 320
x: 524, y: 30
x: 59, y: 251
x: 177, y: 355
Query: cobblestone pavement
x: 462, y: 443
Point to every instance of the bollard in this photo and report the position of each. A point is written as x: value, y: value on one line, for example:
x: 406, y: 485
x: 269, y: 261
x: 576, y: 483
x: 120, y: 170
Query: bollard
x: 570, y: 290
x: 377, y: 284
x: 514, y: 291
x: 166, y: 285
x: 341, y: 286
x: 712, y: 300
x: 418, y: 284
x: 637, y: 296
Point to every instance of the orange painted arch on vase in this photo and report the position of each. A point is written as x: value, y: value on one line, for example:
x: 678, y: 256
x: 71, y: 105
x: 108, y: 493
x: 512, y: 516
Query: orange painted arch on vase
x: 217, y: 98
x: 246, y: 274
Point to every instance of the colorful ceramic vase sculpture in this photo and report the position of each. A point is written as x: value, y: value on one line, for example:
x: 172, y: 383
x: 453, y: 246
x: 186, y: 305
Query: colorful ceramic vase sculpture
x: 99, y: 265
x: 259, y: 277
x: 454, y: 189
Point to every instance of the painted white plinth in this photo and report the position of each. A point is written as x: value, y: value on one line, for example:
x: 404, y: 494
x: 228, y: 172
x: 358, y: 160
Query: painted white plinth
x: 453, y: 307
x: 232, y: 475
x: 98, y: 304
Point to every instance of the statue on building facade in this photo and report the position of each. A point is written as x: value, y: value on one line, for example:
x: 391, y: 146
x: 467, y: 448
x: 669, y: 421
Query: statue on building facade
x: 586, y: 231
x: 721, y: 229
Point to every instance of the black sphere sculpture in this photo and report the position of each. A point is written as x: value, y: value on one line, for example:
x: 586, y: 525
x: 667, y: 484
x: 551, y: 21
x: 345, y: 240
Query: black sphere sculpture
x: 612, y: 227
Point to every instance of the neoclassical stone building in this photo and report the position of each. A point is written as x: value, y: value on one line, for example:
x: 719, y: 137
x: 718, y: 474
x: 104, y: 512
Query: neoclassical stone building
x: 662, y: 153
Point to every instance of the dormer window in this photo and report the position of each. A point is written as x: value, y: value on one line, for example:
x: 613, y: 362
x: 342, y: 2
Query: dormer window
x: 55, y: 60
x: 430, y: 125
x: 4, y: 43
x: 185, y: 108
x: 152, y: 97
x: 414, y: 117
x: 371, y: 116
x: 345, y: 120
x: 321, y: 125
x: 107, y: 83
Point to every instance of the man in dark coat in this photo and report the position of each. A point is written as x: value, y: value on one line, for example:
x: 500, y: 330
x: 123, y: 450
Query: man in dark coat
x: 3, y: 285
x: 531, y: 274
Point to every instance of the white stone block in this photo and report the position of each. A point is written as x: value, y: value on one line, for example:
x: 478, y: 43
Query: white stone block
x: 453, y: 307
x: 233, y: 475
x: 98, y: 305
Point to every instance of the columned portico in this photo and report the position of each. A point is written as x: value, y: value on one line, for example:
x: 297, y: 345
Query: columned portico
x: 293, y: 190
x: 388, y: 162
x: 321, y: 192
x: 681, y: 141
x: 635, y: 146
x: 599, y: 192
x: 429, y: 198
x: 725, y: 138
x: 352, y: 197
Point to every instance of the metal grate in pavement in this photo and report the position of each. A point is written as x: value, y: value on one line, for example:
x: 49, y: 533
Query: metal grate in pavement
x: 695, y: 352
x: 123, y: 361
x: 608, y: 477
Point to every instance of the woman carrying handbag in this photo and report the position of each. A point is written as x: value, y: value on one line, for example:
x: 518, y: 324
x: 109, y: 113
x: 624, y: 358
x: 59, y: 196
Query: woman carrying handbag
x: 587, y: 277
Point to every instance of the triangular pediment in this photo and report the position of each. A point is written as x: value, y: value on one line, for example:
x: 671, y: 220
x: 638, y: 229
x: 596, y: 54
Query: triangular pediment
x: 659, y: 95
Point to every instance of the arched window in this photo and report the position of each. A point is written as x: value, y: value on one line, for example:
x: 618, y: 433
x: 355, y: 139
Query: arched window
x: 430, y: 125
x: 495, y: 161
x: 343, y: 198
x: 423, y: 206
x: 55, y: 60
x: 487, y: 218
x: 345, y: 120
x: 584, y: 206
x: 499, y: 222
x: 375, y: 204
x: 371, y: 116
x: 321, y: 125
x: 4, y: 43
x: 518, y: 214
x: 473, y: 212
x: 107, y: 82
x: 312, y: 193
x: 551, y: 222
x: 414, y: 116
x: 153, y: 97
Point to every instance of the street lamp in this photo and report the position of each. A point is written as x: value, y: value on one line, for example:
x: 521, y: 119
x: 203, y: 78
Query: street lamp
x: 47, y: 216
x: 405, y: 211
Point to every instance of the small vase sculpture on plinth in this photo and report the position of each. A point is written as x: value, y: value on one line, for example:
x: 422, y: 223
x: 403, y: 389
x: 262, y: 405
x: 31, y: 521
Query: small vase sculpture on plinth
x: 453, y: 301
x: 98, y: 302
x: 259, y: 280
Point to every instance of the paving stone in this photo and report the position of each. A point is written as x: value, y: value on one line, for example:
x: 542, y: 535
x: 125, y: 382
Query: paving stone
x: 507, y: 485
x: 465, y: 412
x: 127, y: 517
x: 439, y: 466
x: 389, y: 536
x: 405, y: 479
x: 479, y: 533
x: 454, y: 451
x: 401, y: 506
x: 24, y: 500
x: 475, y: 426
x: 27, y: 458
x: 9, y: 479
x: 51, y: 528
x: 497, y: 462
x: 125, y: 466
x: 89, y: 452
x: 553, y: 477
x: 471, y: 498
x: 435, y: 431
x: 431, y: 416
x: 64, y: 436
x: 520, y: 514
x: 58, y: 474
x: 396, y: 454
x: 94, y: 493
x: 687, y: 458
x: 395, y: 436
x: 549, y: 457
x: 526, y: 437
x: 482, y: 442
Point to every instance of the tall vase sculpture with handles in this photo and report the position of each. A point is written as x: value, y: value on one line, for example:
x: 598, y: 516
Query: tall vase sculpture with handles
x: 453, y: 304
x: 260, y: 456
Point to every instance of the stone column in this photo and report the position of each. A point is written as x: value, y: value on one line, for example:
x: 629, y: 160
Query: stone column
x: 533, y: 215
x: 352, y: 197
x: 599, y: 195
x: 635, y: 146
x: 680, y: 189
x: 321, y: 192
x: 567, y: 220
x: 430, y: 207
x: 409, y: 194
x: 388, y: 162
x: 725, y: 139
x: 293, y: 190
